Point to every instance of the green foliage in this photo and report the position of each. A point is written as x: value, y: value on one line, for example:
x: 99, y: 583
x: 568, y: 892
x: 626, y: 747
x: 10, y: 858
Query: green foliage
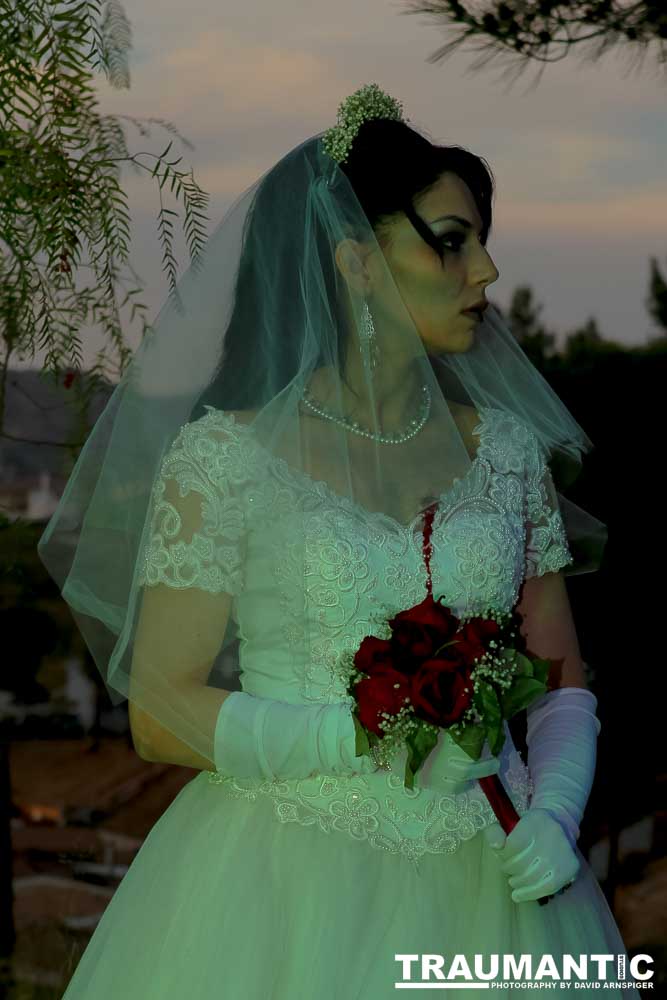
x: 539, y: 32
x: 470, y: 738
x: 657, y: 299
x: 63, y: 212
x: 488, y: 704
x: 535, y: 341
x: 420, y: 742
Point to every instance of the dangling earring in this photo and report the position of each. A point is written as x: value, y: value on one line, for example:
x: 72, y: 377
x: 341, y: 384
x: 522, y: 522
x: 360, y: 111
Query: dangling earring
x: 368, y: 334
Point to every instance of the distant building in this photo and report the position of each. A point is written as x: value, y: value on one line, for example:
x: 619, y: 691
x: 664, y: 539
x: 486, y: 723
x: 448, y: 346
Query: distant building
x: 42, y: 501
x: 21, y: 498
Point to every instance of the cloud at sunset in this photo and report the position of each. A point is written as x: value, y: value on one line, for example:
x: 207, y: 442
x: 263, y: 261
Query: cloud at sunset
x: 578, y: 157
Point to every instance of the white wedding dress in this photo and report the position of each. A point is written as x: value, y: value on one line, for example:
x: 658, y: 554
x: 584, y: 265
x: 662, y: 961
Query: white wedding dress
x: 307, y: 889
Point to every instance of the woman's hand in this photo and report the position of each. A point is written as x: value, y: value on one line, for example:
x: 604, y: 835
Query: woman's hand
x: 537, y: 855
x: 449, y: 769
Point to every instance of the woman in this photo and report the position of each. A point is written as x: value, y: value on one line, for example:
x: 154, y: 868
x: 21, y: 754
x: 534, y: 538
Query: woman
x: 259, y: 482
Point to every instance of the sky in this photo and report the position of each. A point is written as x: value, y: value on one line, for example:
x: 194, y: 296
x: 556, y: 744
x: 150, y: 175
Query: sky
x: 578, y: 155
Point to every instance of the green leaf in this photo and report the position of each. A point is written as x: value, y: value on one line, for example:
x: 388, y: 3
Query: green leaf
x: 541, y: 670
x: 524, y: 664
x: 486, y: 700
x: 471, y: 739
x: 524, y: 690
x: 420, y: 742
x: 498, y: 742
x: 361, y: 744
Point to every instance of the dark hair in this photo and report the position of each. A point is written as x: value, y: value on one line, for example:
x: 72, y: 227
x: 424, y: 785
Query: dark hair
x: 389, y: 165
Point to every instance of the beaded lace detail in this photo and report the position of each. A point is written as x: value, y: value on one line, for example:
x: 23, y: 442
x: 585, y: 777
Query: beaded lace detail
x: 378, y: 808
x: 495, y: 527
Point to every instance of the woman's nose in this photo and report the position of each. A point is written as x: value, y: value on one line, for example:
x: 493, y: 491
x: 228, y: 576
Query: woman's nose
x: 486, y: 268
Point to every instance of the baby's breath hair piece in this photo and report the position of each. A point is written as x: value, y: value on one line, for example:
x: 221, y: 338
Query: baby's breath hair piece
x: 366, y: 103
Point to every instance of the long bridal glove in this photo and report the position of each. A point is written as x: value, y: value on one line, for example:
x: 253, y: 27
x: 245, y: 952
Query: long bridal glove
x: 262, y: 738
x: 539, y: 853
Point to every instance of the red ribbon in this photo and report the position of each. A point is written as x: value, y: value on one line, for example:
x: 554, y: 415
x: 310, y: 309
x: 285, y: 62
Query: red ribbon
x: 427, y: 548
x: 500, y: 802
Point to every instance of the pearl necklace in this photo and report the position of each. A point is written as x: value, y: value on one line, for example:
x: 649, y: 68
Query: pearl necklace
x: 352, y: 425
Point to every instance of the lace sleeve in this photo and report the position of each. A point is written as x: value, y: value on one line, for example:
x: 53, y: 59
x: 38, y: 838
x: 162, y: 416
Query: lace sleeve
x: 547, y: 548
x: 197, y: 529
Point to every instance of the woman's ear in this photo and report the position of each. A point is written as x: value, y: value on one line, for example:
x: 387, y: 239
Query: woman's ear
x: 350, y: 263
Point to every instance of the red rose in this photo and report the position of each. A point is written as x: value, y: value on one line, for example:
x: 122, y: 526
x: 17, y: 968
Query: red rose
x: 474, y: 637
x: 437, y: 690
x: 385, y: 691
x: 418, y: 632
x: 373, y: 653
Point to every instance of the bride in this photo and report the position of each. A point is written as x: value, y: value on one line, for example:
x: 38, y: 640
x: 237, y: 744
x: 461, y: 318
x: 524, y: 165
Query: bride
x: 255, y: 495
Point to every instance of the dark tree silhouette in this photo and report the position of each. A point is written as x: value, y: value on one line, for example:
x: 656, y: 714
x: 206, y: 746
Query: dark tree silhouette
x: 523, y: 319
x: 586, y: 343
x: 656, y: 302
x: 544, y: 31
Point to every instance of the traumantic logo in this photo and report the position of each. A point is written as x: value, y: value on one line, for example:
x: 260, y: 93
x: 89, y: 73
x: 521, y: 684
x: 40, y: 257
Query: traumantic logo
x: 495, y: 971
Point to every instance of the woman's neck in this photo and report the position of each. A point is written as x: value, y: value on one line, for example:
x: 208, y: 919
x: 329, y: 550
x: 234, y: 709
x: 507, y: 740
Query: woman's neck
x: 396, y: 395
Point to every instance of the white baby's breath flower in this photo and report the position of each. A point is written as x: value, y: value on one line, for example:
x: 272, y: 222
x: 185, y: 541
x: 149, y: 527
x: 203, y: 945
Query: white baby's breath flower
x: 366, y: 103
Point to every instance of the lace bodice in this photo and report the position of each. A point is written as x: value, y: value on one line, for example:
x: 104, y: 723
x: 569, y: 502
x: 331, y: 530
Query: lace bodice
x: 494, y: 528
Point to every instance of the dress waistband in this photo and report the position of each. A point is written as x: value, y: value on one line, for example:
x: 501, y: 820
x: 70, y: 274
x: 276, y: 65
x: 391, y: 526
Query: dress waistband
x: 378, y: 808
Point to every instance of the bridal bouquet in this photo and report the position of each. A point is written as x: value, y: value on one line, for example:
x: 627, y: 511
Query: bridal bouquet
x: 431, y: 671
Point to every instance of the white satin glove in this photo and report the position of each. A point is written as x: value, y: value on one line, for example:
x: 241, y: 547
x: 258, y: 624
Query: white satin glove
x: 450, y: 770
x: 562, y: 737
x: 263, y: 738
x: 536, y: 855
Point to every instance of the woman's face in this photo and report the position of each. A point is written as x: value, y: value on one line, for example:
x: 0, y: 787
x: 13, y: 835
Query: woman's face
x: 435, y: 292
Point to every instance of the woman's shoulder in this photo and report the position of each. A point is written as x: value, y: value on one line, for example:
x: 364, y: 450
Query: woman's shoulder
x: 467, y: 416
x: 467, y: 420
x: 242, y: 416
x: 222, y: 420
x: 491, y: 428
x: 224, y: 428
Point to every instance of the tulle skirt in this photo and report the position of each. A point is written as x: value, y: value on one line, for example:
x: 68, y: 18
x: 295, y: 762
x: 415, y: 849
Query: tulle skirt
x: 225, y: 902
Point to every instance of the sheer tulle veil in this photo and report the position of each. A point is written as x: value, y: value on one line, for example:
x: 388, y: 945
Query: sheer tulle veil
x: 270, y: 336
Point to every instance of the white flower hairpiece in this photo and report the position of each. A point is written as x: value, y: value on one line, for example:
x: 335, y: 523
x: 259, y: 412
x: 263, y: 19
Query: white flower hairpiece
x: 366, y: 103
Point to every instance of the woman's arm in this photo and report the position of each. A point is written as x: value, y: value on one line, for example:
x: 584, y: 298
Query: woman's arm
x: 549, y: 629
x: 548, y: 623
x: 190, y: 572
x: 235, y: 733
x: 539, y: 853
x: 181, y: 631
x: 155, y: 744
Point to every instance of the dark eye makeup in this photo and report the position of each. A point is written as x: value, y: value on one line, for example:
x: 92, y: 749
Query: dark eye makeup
x: 457, y: 240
